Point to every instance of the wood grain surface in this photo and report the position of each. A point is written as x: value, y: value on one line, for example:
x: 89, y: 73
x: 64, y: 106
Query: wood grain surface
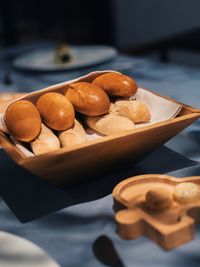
x: 170, y: 227
x: 104, y: 155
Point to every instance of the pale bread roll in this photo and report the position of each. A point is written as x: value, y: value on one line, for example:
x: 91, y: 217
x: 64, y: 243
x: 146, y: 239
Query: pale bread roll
x: 73, y: 136
x: 46, y: 141
x: 132, y: 109
x: 109, y: 124
x: 186, y: 192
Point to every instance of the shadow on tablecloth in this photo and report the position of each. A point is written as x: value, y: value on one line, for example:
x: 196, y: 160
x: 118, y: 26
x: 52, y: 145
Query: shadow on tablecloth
x: 30, y: 197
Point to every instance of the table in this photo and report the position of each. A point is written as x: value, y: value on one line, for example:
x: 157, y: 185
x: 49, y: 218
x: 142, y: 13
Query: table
x: 69, y: 235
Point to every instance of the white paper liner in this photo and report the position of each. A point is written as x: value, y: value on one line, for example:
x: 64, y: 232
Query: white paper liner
x: 161, y: 109
x: 22, y: 148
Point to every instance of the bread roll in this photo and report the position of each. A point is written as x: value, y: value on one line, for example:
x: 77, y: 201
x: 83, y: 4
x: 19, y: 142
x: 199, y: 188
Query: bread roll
x: 109, y: 124
x: 46, y: 141
x: 115, y: 84
x: 132, y: 109
x: 56, y: 111
x: 186, y: 192
x: 23, y: 121
x: 74, y: 136
x: 159, y: 198
x: 88, y: 99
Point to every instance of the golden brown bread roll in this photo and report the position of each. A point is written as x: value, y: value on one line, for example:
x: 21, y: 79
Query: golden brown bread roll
x: 73, y: 136
x: 116, y: 84
x: 46, y: 141
x: 132, y: 109
x: 88, y: 99
x: 56, y: 111
x: 159, y: 198
x: 23, y: 121
x: 109, y: 124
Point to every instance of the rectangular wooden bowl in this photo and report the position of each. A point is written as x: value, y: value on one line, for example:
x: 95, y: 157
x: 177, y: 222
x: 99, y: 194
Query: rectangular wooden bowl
x: 102, y: 156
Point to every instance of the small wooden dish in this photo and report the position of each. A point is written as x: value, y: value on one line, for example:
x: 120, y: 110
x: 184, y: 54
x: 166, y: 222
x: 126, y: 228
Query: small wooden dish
x: 170, y: 227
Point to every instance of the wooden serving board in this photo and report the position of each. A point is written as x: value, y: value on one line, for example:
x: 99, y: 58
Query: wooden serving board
x: 170, y: 227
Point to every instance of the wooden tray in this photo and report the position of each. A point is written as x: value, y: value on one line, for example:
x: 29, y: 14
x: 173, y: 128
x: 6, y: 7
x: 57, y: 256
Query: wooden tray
x: 170, y: 227
x: 66, y: 166
x: 116, y: 152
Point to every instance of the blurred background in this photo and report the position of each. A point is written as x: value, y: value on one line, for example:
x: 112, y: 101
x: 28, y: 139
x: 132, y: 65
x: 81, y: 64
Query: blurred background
x: 164, y: 30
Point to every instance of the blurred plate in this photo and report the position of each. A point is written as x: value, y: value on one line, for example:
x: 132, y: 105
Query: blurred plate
x: 19, y: 252
x: 82, y: 56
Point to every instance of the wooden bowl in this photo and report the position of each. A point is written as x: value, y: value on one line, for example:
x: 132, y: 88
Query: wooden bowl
x: 169, y: 227
x: 102, y: 156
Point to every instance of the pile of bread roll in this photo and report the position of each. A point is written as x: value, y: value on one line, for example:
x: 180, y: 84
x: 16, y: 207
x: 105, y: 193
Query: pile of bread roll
x: 56, y: 120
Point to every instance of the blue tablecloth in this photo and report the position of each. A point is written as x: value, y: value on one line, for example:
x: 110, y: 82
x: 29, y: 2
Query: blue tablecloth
x: 69, y: 235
